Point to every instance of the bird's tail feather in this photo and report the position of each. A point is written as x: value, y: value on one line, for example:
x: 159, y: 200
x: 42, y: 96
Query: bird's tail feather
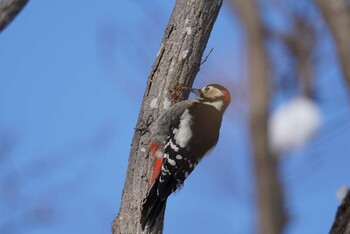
x: 151, y: 207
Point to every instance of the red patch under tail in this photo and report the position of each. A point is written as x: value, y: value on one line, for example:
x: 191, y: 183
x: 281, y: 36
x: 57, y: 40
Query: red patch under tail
x: 154, y: 148
x: 156, y: 170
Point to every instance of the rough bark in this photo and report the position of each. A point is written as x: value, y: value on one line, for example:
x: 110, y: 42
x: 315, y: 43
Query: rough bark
x: 341, y: 223
x: 269, y: 193
x: 8, y: 11
x: 177, y: 62
x: 337, y: 16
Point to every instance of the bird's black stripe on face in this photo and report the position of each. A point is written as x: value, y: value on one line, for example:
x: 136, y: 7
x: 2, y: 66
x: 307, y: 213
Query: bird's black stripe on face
x: 212, y: 99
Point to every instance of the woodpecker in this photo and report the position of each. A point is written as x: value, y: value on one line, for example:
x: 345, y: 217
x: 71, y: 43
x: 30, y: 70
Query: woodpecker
x: 180, y: 138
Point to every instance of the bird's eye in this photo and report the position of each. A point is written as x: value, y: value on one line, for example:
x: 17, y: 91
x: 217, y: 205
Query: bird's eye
x: 206, y: 89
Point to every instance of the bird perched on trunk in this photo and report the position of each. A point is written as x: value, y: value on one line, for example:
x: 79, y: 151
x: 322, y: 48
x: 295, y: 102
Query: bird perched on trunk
x: 180, y: 138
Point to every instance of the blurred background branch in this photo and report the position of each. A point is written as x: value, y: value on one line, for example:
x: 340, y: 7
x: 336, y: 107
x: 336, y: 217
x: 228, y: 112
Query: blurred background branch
x: 337, y: 16
x: 271, y: 211
x: 300, y: 44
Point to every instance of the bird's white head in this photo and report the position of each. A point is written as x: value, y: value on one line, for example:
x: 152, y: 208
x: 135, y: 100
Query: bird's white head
x: 215, y: 95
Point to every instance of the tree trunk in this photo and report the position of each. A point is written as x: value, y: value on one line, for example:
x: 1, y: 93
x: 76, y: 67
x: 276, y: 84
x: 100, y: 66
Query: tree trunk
x: 269, y: 193
x: 337, y: 16
x: 341, y: 223
x: 177, y: 62
x: 8, y: 11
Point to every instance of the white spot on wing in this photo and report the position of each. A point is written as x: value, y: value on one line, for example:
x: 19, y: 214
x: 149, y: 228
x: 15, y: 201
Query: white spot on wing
x: 174, y: 147
x: 171, y: 162
x: 178, y: 157
x: 186, y: 174
x: 174, y: 130
x: 165, y: 170
x: 184, y: 133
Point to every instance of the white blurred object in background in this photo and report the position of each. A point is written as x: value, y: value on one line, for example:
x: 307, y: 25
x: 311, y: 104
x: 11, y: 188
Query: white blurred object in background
x: 293, y: 124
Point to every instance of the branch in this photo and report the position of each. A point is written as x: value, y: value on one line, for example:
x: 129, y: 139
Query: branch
x: 206, y: 57
x: 301, y: 43
x: 177, y: 62
x: 337, y: 16
x: 8, y: 11
x: 269, y: 193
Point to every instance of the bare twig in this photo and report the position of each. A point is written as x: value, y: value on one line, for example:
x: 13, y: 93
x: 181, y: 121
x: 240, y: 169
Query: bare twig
x: 206, y: 57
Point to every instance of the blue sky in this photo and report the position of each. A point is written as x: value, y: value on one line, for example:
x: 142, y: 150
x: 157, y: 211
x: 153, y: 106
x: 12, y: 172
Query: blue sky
x: 71, y: 84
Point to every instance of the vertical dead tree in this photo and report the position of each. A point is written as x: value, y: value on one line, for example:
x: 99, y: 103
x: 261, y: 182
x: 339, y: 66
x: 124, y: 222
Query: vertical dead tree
x: 8, y: 11
x: 337, y: 15
x: 269, y: 195
x: 342, y: 219
x: 177, y: 62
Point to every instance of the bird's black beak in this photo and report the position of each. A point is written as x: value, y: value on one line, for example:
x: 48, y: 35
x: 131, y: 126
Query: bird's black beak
x: 198, y: 92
